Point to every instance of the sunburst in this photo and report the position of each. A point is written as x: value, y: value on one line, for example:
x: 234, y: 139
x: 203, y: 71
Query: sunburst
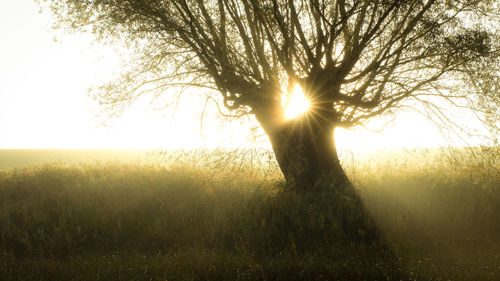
x: 295, y: 102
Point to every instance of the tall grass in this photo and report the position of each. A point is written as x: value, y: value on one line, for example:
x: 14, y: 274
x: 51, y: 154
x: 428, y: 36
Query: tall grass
x: 221, y: 218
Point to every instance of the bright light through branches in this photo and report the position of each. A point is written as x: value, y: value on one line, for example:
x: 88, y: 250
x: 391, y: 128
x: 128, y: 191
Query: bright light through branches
x: 295, y: 103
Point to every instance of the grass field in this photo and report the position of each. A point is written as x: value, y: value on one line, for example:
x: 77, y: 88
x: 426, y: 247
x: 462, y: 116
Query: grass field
x: 227, y: 216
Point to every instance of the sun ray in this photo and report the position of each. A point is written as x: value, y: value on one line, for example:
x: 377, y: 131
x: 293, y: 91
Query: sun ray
x: 295, y: 102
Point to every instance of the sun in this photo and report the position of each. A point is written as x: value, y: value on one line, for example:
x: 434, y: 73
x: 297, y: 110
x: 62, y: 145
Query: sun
x: 295, y: 102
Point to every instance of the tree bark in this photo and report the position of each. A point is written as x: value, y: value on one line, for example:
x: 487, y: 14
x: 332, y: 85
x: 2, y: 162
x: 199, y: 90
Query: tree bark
x: 308, y: 158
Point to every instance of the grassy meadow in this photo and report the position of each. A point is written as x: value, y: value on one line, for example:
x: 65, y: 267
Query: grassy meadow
x: 226, y: 215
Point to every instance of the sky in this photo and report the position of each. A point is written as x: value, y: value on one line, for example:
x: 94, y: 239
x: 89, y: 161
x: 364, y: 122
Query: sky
x: 44, y: 80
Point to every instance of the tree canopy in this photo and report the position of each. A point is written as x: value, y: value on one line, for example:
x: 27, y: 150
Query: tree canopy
x: 355, y: 59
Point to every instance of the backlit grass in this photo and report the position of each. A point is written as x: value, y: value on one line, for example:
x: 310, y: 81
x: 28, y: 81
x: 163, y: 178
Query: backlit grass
x: 210, y: 221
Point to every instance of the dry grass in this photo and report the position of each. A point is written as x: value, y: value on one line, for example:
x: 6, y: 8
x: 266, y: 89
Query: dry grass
x: 221, y: 218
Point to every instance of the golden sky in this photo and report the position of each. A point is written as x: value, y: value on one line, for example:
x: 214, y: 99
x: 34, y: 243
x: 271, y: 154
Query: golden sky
x: 44, y: 77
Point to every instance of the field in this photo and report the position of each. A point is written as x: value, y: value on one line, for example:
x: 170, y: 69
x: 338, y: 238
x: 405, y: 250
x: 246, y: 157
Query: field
x: 225, y: 215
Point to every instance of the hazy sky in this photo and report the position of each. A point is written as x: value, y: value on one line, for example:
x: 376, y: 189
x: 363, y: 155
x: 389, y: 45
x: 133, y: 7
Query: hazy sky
x: 44, y: 77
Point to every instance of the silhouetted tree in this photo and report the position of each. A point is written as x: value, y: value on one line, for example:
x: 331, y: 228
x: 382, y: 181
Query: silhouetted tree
x: 355, y: 59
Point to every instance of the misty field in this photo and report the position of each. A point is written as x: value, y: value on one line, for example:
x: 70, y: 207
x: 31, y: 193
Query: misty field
x: 228, y: 216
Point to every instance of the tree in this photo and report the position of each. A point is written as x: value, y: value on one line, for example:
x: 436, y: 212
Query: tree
x: 355, y: 59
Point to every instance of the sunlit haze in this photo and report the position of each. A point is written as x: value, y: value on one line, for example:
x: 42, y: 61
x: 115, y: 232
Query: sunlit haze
x: 44, y: 101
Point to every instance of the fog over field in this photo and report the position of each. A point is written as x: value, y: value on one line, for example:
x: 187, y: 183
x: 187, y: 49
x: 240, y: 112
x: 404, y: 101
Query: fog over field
x: 219, y: 215
x: 249, y: 140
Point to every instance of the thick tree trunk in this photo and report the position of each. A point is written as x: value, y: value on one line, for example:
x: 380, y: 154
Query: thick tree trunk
x: 306, y: 153
x: 308, y: 158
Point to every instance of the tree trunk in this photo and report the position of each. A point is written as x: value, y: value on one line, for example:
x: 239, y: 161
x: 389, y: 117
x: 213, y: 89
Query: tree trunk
x: 306, y: 153
x: 308, y: 158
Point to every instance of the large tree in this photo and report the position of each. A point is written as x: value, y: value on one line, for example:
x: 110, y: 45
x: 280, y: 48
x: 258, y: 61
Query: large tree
x: 354, y: 59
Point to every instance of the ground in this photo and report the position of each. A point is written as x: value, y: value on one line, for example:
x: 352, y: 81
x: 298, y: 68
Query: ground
x: 200, y: 220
